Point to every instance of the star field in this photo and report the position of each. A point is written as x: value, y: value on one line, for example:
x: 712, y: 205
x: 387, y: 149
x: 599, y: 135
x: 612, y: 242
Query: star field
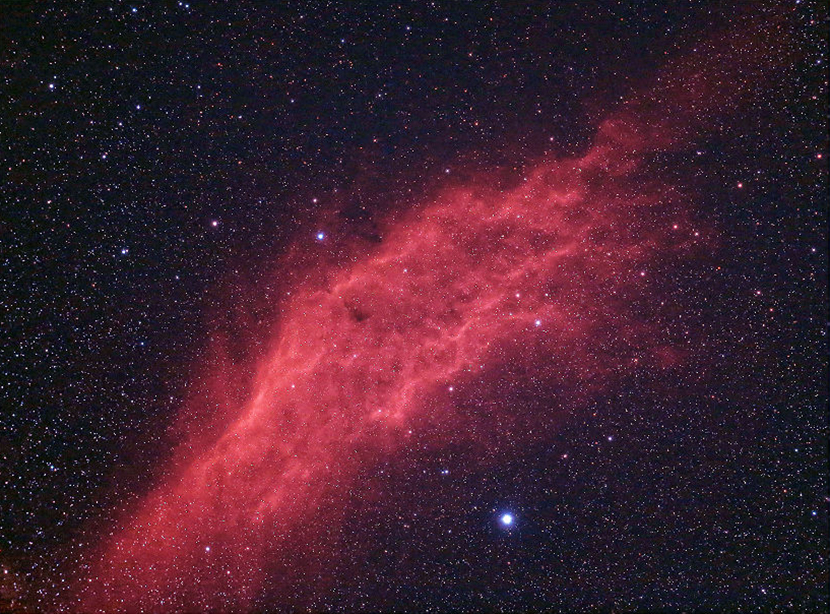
x: 418, y: 306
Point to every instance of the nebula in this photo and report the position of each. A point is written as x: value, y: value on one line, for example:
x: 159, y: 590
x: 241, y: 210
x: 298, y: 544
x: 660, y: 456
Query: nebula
x: 451, y: 285
x: 549, y: 270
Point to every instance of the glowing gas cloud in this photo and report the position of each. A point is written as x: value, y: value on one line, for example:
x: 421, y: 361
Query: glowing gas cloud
x: 541, y: 265
x: 549, y: 270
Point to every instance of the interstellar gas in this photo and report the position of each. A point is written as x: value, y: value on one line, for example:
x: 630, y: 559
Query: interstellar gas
x: 549, y: 270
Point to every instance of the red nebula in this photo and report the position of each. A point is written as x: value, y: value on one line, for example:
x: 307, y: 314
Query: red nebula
x: 548, y: 271
x: 544, y: 264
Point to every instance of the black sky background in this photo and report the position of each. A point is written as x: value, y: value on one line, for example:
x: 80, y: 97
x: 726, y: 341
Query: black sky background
x: 158, y: 158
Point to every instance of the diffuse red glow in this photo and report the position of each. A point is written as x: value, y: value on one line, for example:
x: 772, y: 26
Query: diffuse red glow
x: 540, y: 265
x: 549, y: 272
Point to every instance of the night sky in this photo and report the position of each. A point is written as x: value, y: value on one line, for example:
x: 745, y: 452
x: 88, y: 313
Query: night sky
x: 413, y: 306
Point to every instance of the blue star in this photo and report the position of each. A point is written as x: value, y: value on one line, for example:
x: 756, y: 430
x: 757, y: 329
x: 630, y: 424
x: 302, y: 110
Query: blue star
x: 507, y: 520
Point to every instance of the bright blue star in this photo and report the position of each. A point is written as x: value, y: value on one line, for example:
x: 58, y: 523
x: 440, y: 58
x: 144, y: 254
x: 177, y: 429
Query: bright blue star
x: 321, y: 235
x: 507, y: 519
